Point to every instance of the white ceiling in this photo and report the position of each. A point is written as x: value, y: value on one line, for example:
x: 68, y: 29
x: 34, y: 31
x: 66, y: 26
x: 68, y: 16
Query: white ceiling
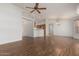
x: 54, y: 10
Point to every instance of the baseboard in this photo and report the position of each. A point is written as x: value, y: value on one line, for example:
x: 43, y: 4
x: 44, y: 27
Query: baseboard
x: 10, y: 42
x: 27, y: 37
x: 64, y: 36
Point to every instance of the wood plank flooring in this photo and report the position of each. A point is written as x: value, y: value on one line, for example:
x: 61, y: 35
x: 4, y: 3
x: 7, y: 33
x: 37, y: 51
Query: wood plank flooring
x: 51, y: 46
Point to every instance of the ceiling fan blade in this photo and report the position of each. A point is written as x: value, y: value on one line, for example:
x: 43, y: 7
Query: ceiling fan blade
x: 32, y: 11
x: 30, y: 7
x: 38, y: 11
x: 36, y: 5
x: 42, y: 8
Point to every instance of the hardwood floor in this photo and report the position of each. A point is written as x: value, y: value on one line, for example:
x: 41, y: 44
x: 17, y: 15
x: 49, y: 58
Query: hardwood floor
x: 51, y: 46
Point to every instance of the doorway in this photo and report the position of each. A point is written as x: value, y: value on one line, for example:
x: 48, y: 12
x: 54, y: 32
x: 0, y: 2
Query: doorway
x: 51, y: 30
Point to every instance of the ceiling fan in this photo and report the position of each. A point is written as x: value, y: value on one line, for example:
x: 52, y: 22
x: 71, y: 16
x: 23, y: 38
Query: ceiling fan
x: 36, y: 8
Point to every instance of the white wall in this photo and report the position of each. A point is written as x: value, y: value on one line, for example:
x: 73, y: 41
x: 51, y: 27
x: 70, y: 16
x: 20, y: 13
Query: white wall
x: 27, y: 28
x: 64, y: 29
x: 10, y: 23
x: 75, y: 34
